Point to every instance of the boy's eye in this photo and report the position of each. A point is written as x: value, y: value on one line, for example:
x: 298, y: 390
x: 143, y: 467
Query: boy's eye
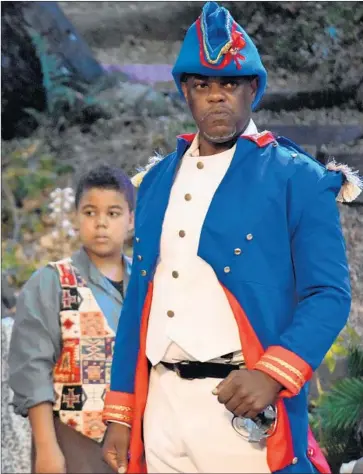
x: 114, y: 214
x: 90, y: 213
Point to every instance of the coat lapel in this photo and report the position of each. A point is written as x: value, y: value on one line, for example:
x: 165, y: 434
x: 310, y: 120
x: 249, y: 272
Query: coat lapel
x: 245, y: 194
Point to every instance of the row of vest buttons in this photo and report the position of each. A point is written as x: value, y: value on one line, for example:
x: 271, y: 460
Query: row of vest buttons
x: 182, y: 234
x: 200, y: 166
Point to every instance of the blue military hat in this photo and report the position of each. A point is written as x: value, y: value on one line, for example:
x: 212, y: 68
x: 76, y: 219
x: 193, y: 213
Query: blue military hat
x: 216, y: 45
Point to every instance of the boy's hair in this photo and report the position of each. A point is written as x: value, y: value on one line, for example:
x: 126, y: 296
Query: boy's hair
x: 106, y: 177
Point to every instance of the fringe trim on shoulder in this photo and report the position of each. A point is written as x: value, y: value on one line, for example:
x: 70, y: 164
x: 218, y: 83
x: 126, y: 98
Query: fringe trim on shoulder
x: 137, y: 179
x: 353, y: 184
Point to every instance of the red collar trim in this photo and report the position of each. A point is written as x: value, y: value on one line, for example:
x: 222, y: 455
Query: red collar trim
x: 261, y: 139
x: 188, y: 137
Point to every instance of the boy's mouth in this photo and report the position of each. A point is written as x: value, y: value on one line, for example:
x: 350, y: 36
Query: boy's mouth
x: 101, y: 238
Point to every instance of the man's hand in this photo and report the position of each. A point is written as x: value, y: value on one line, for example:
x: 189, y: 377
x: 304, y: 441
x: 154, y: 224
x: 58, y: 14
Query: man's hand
x: 115, y: 447
x: 247, y: 392
x: 49, y: 459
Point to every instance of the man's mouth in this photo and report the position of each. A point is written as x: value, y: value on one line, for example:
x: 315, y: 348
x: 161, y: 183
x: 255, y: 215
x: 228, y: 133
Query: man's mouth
x: 219, y: 114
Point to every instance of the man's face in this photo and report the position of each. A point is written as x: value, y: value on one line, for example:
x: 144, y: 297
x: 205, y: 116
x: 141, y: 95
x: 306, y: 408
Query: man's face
x: 221, y: 106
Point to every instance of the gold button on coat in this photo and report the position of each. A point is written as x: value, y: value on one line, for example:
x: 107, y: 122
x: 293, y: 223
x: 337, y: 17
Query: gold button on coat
x: 175, y: 274
x: 249, y: 236
x: 181, y: 233
x: 200, y: 165
x: 237, y: 251
x: 227, y: 269
x: 170, y: 313
x: 295, y: 460
x: 188, y: 197
x: 143, y: 273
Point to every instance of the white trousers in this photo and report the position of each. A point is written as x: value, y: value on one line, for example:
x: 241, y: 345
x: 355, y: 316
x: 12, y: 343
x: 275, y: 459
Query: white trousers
x: 187, y: 430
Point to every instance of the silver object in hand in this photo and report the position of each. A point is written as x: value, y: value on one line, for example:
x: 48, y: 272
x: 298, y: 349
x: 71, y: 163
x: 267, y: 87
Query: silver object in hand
x: 261, y: 427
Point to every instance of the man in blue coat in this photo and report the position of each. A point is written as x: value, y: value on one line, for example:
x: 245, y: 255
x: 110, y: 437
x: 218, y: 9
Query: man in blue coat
x: 239, y: 285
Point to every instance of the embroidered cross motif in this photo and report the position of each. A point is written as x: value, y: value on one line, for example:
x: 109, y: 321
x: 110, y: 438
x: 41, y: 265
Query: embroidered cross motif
x: 70, y: 398
x: 68, y: 299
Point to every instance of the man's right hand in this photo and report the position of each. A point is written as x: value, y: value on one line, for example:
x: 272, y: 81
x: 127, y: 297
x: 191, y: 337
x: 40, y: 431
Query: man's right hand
x: 116, y: 446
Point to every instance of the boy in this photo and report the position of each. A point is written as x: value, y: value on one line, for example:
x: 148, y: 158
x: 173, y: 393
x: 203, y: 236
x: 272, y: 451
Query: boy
x: 67, y: 315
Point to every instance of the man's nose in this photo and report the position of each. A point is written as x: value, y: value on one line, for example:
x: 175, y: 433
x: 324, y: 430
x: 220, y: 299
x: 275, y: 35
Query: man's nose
x: 216, y: 92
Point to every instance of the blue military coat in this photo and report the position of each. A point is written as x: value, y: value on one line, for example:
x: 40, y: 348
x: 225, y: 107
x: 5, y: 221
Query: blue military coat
x: 278, y: 205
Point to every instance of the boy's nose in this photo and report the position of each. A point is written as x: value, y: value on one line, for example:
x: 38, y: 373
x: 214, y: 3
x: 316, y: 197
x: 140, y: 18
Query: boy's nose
x: 101, y: 221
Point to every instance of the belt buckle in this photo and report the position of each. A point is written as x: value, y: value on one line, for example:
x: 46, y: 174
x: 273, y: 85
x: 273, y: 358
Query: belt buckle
x: 177, y: 370
x: 258, y: 429
x: 182, y: 370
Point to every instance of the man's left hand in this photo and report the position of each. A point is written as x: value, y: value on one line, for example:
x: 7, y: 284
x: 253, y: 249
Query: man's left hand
x: 247, y: 392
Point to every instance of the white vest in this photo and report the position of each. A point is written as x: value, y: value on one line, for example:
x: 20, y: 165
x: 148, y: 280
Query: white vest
x: 190, y: 317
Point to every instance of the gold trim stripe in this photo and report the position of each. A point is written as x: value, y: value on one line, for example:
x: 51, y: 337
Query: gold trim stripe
x: 279, y: 372
x: 118, y: 407
x: 118, y: 416
x: 287, y: 366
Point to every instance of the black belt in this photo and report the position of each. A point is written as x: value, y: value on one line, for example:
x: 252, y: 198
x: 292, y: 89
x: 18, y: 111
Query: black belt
x: 200, y: 370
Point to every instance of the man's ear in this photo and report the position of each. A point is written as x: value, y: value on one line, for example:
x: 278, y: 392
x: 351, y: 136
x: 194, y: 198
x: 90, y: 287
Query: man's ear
x: 254, y: 87
x: 184, y: 87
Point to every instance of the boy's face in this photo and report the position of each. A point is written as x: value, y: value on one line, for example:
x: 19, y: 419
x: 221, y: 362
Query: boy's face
x: 104, y: 220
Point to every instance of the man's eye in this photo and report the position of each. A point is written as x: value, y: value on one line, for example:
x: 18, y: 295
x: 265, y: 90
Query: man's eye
x: 201, y: 85
x: 230, y: 85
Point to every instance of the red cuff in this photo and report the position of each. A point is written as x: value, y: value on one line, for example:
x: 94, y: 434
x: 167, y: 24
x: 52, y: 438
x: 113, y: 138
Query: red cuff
x: 119, y: 406
x: 290, y: 370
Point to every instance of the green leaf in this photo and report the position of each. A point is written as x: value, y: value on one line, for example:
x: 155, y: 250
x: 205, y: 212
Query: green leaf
x: 330, y: 361
x: 342, y: 408
x: 339, y: 350
x: 353, y: 335
x: 355, y: 361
